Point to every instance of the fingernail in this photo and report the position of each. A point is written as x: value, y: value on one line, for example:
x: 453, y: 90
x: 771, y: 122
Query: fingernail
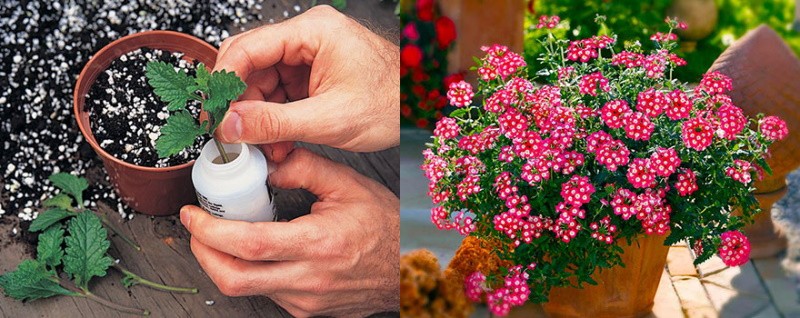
x: 231, y: 127
x: 186, y: 217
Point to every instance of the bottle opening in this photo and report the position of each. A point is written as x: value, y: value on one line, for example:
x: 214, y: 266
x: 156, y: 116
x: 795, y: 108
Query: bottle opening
x: 231, y: 156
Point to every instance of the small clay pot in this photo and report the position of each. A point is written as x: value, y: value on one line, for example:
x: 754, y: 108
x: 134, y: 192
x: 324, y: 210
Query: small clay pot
x: 149, y: 190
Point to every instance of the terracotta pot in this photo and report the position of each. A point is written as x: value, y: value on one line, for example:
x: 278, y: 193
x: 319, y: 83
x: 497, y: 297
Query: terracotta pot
x: 621, y: 291
x: 480, y: 22
x: 149, y: 190
x: 700, y: 17
x: 766, y: 240
x: 766, y: 79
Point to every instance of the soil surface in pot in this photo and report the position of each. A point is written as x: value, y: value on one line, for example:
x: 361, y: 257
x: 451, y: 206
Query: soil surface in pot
x: 126, y: 116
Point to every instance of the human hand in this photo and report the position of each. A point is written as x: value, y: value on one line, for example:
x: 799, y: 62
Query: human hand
x: 342, y: 259
x: 341, y: 82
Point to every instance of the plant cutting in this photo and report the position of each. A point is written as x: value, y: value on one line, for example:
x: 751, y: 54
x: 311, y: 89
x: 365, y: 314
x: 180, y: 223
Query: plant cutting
x: 214, y: 91
x: 84, y: 257
x: 232, y: 186
x: 610, y: 153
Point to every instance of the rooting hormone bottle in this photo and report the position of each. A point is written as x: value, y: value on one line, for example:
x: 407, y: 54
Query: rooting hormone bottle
x: 237, y: 190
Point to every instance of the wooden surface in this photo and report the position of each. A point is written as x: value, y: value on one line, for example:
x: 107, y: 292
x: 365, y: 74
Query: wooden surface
x: 166, y: 256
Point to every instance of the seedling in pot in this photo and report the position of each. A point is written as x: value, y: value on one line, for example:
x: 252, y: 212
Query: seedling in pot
x: 214, y: 91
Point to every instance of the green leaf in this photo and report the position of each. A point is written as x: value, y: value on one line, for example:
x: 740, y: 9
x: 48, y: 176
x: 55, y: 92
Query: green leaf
x: 339, y: 4
x: 179, y: 133
x: 49, y: 249
x: 87, y: 245
x: 70, y: 184
x: 458, y: 113
x: 48, y: 218
x: 201, y: 77
x: 31, y: 281
x: 59, y: 201
x: 223, y: 87
x: 173, y: 87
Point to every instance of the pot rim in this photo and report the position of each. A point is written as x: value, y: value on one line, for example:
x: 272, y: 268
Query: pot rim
x: 87, y: 132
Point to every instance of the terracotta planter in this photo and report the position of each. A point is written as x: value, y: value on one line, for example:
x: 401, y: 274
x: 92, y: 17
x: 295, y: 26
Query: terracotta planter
x: 699, y: 15
x: 480, y: 22
x: 766, y: 77
x: 620, y: 292
x: 765, y: 238
x: 149, y: 190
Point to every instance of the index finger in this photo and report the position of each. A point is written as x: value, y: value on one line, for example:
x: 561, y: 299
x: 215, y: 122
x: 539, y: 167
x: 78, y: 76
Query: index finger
x: 294, y: 42
x: 257, y: 241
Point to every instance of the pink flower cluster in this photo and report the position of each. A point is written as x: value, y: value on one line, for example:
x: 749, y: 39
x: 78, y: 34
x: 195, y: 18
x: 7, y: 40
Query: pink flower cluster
x: 499, y: 63
x: 588, y: 49
x: 734, y: 249
x: 548, y: 22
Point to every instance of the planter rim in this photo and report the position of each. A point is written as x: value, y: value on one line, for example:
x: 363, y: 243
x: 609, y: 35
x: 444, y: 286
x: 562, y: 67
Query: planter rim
x: 87, y: 131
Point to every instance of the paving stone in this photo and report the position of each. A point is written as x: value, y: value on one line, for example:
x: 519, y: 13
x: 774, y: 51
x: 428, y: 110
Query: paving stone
x: 667, y: 304
x: 679, y: 262
x: 710, y: 266
x: 744, y: 279
x: 768, y: 312
x: 693, y: 298
x: 731, y: 303
x: 781, y: 287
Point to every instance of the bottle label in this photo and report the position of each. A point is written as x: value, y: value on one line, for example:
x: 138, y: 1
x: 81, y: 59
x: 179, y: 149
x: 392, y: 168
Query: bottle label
x: 215, y: 209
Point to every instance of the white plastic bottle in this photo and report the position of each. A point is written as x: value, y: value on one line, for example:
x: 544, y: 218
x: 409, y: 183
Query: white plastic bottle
x: 237, y: 190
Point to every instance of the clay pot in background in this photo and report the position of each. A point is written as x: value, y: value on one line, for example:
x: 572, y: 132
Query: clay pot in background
x: 480, y: 22
x: 766, y: 79
x: 700, y: 17
x: 149, y: 190
x: 621, y: 291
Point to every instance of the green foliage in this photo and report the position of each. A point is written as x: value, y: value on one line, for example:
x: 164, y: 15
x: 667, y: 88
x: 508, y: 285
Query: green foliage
x: 61, y: 200
x: 635, y: 20
x: 173, y: 86
x: 180, y: 132
x: 49, y: 250
x: 48, y: 218
x: 70, y: 184
x: 215, y: 90
x: 32, y: 281
x: 87, y: 245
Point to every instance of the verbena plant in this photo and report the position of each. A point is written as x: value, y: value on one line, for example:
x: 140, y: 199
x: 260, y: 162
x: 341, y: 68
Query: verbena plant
x: 609, y: 149
x: 175, y: 87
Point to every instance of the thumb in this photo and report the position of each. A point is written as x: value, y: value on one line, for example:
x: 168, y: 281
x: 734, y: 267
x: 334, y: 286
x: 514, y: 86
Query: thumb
x: 326, y: 179
x: 260, y: 122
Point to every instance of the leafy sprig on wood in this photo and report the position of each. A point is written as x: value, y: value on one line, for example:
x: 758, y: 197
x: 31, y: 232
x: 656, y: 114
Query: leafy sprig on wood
x: 175, y: 87
x: 82, y: 254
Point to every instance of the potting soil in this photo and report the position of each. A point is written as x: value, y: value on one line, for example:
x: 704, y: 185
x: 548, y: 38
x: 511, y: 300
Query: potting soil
x: 126, y: 116
x: 43, y: 47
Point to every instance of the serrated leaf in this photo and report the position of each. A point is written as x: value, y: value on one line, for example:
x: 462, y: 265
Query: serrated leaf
x: 173, y: 87
x: 31, y: 281
x: 70, y: 184
x: 201, y: 77
x: 59, y: 201
x: 49, y: 251
x: 87, y: 245
x: 179, y: 133
x: 223, y: 87
x: 48, y: 218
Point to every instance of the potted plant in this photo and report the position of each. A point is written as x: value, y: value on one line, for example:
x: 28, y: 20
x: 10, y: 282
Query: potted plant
x: 583, y: 179
x: 144, y: 187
